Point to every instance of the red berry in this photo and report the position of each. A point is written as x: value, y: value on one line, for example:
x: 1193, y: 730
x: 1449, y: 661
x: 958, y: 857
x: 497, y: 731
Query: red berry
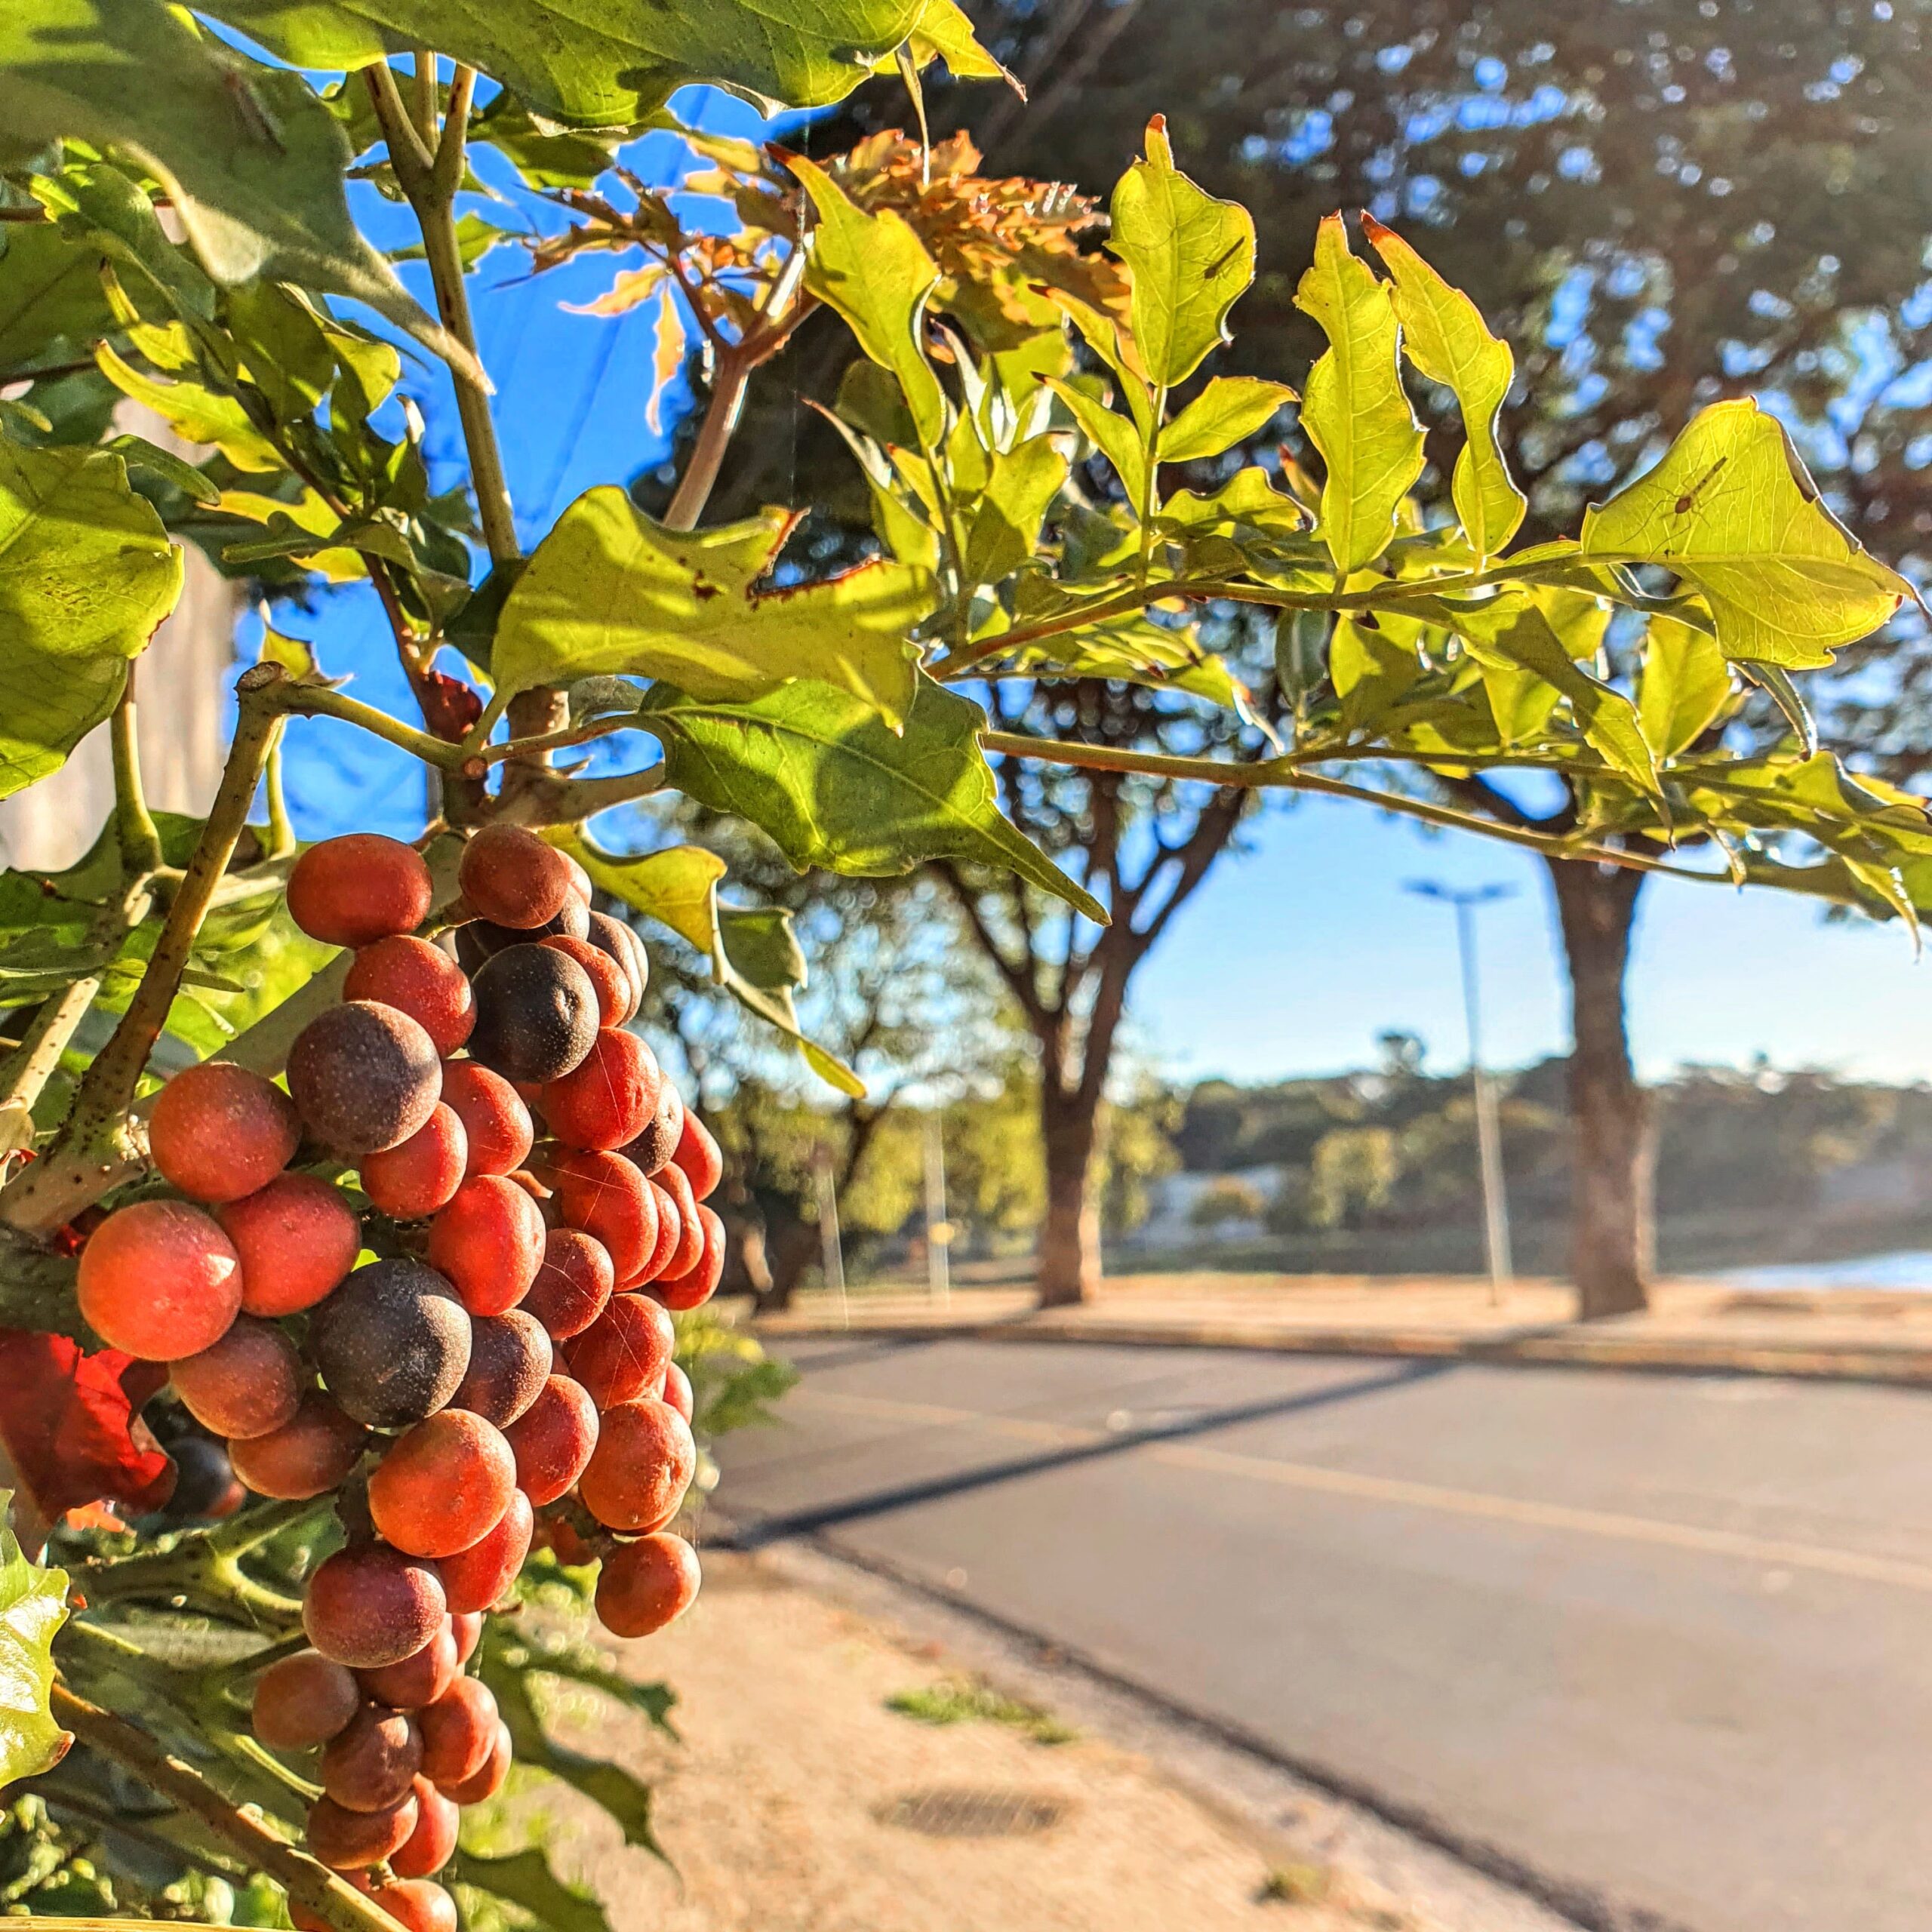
x: 653, y: 1149
x: 364, y: 1076
x: 476, y: 1578
x: 677, y: 1392
x: 669, y: 1238
x: 553, y: 1439
x: 467, y: 1625
x: 307, y: 1456
x: 487, y: 1783
x: 418, y: 1679
x: 218, y: 1131
x: 354, y: 890
x: 420, y: 979
x: 369, y: 1764
x: 433, y: 1845
x: 368, y: 1606
x: 605, y: 1196
x: 494, y: 1116
x: 488, y: 1241
x: 160, y: 1280
x: 572, y: 1284
x: 612, y: 982
x: 642, y: 1465
x: 297, y: 1238
x: 690, y: 1249
x: 623, y: 1354
x: 644, y: 1584
x: 510, y: 877
x: 458, y: 1730
x: 245, y: 1385
x: 349, y: 1841
x: 510, y: 1359
x: 417, y: 1906
x: 696, y: 1287
x: 444, y: 1485
x: 608, y: 1097
x: 302, y: 1701
x: 422, y: 1174
x: 698, y: 1155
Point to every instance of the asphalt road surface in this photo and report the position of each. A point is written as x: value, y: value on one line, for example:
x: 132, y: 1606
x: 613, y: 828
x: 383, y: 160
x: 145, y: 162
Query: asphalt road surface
x: 1665, y: 1641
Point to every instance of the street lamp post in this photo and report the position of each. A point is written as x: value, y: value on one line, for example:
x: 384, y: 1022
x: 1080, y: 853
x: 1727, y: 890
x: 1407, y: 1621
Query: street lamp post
x: 1489, y: 1135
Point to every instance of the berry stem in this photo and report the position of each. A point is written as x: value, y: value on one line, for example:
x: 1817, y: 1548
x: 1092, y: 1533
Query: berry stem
x: 311, y: 1885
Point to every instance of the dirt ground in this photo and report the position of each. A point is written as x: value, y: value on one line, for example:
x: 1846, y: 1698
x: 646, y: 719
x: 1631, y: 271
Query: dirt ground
x: 798, y: 1801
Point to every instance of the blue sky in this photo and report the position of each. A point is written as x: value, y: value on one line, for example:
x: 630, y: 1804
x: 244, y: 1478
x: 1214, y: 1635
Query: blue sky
x: 1293, y: 956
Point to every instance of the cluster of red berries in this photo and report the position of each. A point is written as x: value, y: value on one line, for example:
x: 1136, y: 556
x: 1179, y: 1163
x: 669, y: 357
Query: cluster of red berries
x: 510, y: 1351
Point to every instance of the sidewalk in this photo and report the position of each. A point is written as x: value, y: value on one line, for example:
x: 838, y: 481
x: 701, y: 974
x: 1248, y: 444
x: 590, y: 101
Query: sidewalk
x: 1870, y: 1335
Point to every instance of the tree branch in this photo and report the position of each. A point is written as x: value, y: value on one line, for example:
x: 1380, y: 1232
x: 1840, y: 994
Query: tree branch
x: 1020, y: 981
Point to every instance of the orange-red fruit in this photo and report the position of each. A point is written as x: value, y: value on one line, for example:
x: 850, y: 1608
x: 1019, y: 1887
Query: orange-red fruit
x: 689, y: 1248
x: 509, y: 1361
x: 489, y: 1242
x: 623, y: 1354
x: 612, y: 982
x: 422, y: 1174
x: 348, y: 1841
x: 302, y: 1701
x: 248, y: 1383
x: 359, y: 888
x: 368, y: 1606
x: 614, y: 936
x: 696, y: 1287
x: 475, y: 1578
x: 433, y: 1845
x: 605, y: 1196
x: 418, y: 978
x: 218, y: 1131
x: 653, y: 1149
x: 458, y: 1730
x: 297, y: 1238
x: 489, y: 1780
x: 160, y: 1280
x: 572, y: 1284
x: 670, y: 1235
x: 417, y: 1906
x: 510, y: 875
x: 444, y: 1485
x: 370, y: 1764
x: 307, y: 1456
x: 698, y: 1155
x: 494, y: 1116
x: 677, y: 1392
x: 468, y: 1626
x: 644, y: 1584
x: 364, y: 1076
x: 553, y: 1439
x: 608, y: 1097
x: 642, y: 1465
x: 418, y: 1679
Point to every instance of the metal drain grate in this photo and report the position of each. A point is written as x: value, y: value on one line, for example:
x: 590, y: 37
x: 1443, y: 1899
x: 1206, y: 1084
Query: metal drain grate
x: 953, y: 1812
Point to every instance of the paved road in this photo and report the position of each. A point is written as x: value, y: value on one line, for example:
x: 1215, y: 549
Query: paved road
x: 1667, y: 1641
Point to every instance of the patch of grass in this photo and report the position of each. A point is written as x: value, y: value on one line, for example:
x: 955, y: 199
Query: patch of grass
x: 961, y: 1700
x: 1294, y: 1884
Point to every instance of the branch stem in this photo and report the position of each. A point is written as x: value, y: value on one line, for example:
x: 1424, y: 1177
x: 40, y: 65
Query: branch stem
x: 733, y: 372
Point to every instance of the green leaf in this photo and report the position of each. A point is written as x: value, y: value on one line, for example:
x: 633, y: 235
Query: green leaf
x: 875, y: 272
x: 1114, y: 436
x: 1229, y: 410
x: 1190, y: 257
x: 1354, y: 411
x: 524, y: 1879
x: 606, y: 66
x: 196, y: 414
x: 33, y: 1606
x: 611, y: 591
x: 252, y: 162
x: 1512, y: 632
x: 755, y: 964
x: 1006, y: 526
x: 1731, y: 511
x: 943, y: 32
x: 1446, y: 338
x: 1685, y: 684
x: 86, y: 574
x: 1133, y: 650
x: 138, y: 454
x: 51, y: 304
x: 817, y: 772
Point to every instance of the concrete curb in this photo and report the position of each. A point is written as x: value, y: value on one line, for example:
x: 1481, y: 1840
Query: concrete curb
x: 1564, y: 1347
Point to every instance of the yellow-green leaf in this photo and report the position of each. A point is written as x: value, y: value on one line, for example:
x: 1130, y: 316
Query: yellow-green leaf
x: 875, y: 272
x: 611, y: 592
x: 33, y: 1606
x: 1114, y: 436
x: 1355, y: 411
x: 195, y: 414
x: 1447, y: 339
x: 1230, y: 409
x: 1685, y: 684
x: 1732, y: 512
x: 1006, y: 526
x: 1190, y: 257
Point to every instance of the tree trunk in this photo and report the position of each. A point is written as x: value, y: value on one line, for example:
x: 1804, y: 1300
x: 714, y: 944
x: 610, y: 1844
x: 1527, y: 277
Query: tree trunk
x: 1068, y: 1259
x: 1613, y: 1207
